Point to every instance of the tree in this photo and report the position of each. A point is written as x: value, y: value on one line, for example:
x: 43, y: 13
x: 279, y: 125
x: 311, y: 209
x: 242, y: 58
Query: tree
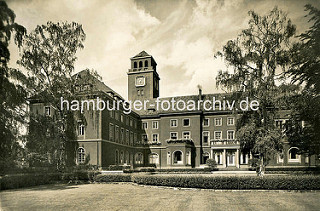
x: 259, y: 56
x: 49, y: 53
x: 305, y: 71
x: 12, y: 94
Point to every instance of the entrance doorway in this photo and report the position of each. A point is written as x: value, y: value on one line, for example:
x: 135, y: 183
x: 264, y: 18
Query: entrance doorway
x: 231, y: 158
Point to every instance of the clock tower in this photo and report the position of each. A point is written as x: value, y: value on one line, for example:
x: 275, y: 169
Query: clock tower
x: 143, y: 79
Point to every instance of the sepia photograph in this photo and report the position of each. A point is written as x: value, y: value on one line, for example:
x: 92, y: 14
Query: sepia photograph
x: 159, y: 105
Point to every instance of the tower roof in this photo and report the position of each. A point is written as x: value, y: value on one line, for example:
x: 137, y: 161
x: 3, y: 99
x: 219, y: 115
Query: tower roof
x: 141, y: 54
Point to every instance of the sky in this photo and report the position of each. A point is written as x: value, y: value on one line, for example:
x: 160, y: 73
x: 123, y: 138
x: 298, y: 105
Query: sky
x: 182, y: 36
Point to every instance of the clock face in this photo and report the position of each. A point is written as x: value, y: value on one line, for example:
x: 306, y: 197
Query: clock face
x: 140, y: 81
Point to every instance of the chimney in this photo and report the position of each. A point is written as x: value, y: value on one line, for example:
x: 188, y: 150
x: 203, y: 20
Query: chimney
x: 200, y: 92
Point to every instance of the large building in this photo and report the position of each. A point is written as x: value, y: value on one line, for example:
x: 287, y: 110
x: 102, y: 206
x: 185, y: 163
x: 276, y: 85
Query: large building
x: 163, y: 137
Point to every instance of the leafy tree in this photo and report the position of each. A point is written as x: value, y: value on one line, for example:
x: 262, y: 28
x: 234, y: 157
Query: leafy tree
x: 49, y: 53
x: 305, y: 71
x: 12, y: 94
x: 258, y: 57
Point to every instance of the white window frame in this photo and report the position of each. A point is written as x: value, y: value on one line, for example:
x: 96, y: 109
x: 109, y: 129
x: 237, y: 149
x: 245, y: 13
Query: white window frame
x: 186, y: 132
x: 138, y: 155
x: 155, y: 134
x: 83, y: 154
x: 176, y: 120
x: 153, y: 124
x: 177, y: 136
x: 228, y: 121
x: 81, y: 129
x: 215, y: 136
x: 183, y: 122
x: 215, y: 121
x: 233, y: 134
x: 246, y: 158
x: 208, y: 122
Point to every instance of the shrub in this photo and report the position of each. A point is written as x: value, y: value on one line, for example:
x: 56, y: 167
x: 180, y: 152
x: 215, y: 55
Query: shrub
x: 113, y: 178
x: 212, y: 164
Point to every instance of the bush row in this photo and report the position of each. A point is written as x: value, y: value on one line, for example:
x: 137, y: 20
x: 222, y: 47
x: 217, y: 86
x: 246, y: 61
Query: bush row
x: 27, y: 180
x: 113, y: 178
x: 33, y: 179
x: 232, y: 182
x: 219, y: 182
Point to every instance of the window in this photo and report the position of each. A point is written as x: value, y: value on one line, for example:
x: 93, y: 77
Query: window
x: 155, y: 125
x: 154, y: 158
x: 155, y: 138
x: 138, y: 158
x: 217, y: 135
x: 206, y: 122
x: 131, y: 123
x: 186, y: 122
x: 131, y: 138
x: 293, y: 155
x: 135, y: 137
x: 230, y: 121
x: 47, y: 110
x: 146, y: 63
x: 206, y: 137
x: 116, y: 157
x: 134, y: 64
x: 117, y: 133
x: 177, y: 157
x: 280, y: 157
x: 121, y: 157
x: 218, y: 121
x: 122, y: 135
x: 174, y: 135
x: 244, y: 158
x: 145, y: 125
x: 188, y: 158
x: 140, y: 64
x: 168, y: 158
x: 111, y: 132
x: 81, y: 130
x: 112, y: 113
x: 205, y: 156
x: 81, y: 155
x: 144, y: 138
x: 230, y: 135
x: 173, y: 123
x: 218, y: 157
x: 117, y: 115
x: 186, y: 135
x: 121, y: 118
x: 127, y: 137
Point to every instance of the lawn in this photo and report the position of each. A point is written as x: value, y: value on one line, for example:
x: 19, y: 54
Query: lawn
x: 133, y: 197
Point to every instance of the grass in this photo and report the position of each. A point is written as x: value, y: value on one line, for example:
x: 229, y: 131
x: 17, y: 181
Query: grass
x: 133, y: 197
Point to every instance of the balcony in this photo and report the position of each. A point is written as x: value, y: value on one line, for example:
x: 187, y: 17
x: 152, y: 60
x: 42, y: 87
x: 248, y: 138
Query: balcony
x: 179, y: 141
x: 225, y: 143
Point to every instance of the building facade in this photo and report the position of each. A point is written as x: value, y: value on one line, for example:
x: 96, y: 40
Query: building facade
x: 160, y: 136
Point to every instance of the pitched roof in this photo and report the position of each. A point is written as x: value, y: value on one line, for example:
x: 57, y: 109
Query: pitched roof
x: 141, y: 54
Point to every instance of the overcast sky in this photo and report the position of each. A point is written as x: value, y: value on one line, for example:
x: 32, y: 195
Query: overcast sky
x: 182, y: 36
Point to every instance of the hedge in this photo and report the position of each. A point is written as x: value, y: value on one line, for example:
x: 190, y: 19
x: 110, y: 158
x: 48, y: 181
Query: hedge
x: 306, y: 182
x: 113, y: 178
x: 27, y: 180
x: 233, y: 182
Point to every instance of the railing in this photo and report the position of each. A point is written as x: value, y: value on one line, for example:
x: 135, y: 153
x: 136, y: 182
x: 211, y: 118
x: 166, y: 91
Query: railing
x: 224, y: 142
